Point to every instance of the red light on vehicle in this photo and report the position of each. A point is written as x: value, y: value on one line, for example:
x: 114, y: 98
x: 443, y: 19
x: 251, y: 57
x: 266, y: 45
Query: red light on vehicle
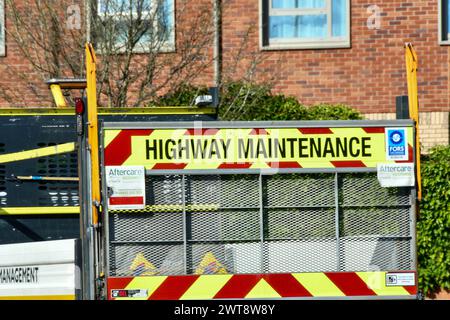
x: 79, y: 106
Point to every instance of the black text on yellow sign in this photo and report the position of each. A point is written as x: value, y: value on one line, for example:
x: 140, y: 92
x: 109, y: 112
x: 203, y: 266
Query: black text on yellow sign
x: 192, y: 148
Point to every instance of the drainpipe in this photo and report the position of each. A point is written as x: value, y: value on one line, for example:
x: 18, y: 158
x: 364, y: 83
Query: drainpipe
x: 217, y: 11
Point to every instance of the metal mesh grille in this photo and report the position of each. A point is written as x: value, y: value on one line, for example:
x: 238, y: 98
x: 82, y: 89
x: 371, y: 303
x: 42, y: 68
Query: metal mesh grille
x: 363, y: 189
x: 375, y: 221
x: 167, y: 259
x: 147, y: 227
x: 300, y: 256
x: 297, y: 190
x: 374, y: 225
x: 164, y: 190
x: 254, y: 224
x: 300, y: 223
x: 225, y: 225
x: 375, y: 254
x: 227, y: 191
x: 234, y: 257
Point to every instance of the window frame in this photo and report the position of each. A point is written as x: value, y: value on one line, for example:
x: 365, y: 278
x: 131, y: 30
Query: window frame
x: 265, y: 11
x: 167, y: 46
x: 2, y: 29
x: 440, y: 25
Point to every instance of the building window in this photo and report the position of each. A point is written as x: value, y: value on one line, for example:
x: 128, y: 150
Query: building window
x: 308, y: 24
x: 139, y: 25
x: 444, y: 22
x: 2, y: 28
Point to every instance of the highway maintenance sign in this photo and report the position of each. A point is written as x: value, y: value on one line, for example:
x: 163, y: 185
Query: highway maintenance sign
x: 264, y: 210
x: 254, y: 147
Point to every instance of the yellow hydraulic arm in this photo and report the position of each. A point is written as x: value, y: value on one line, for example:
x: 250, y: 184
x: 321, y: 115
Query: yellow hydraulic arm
x: 57, y: 85
x: 411, y: 75
x: 91, y: 90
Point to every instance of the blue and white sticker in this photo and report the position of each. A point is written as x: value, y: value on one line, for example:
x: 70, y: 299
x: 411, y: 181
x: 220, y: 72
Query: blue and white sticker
x: 400, y: 279
x: 396, y: 144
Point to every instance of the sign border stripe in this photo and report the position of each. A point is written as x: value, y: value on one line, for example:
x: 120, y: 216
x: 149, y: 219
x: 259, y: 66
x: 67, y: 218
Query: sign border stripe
x: 206, y: 286
x: 119, y: 149
x: 287, y: 285
x: 173, y: 287
x: 349, y: 163
x: 315, y: 130
x: 238, y: 286
x: 350, y: 283
x: 318, y: 284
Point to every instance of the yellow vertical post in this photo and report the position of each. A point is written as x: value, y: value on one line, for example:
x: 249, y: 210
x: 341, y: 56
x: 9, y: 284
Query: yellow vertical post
x: 93, y: 129
x: 411, y: 75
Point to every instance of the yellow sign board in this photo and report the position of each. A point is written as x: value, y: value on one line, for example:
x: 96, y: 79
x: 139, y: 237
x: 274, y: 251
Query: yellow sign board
x: 247, y: 148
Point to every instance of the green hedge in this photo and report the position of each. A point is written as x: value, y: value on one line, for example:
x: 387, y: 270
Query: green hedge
x: 433, y: 224
x: 247, y: 102
x: 183, y: 96
x: 241, y: 101
x: 332, y: 112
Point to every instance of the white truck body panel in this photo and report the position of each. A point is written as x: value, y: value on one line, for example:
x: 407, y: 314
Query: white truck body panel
x: 39, y: 270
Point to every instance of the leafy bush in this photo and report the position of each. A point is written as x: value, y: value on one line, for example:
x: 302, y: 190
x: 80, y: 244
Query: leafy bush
x: 247, y: 102
x: 184, y: 96
x: 433, y: 224
x: 241, y: 101
x: 332, y: 112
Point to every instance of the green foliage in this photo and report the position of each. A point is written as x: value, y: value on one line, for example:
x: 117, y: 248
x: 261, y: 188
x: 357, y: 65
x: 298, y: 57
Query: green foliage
x: 433, y: 224
x: 243, y: 101
x: 184, y: 96
x: 332, y: 112
x: 247, y: 102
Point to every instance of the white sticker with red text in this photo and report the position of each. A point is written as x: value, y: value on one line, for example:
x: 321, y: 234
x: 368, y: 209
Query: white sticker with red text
x: 126, y: 187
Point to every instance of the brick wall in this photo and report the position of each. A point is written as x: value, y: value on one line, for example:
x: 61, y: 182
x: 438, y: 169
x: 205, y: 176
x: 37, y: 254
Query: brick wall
x: 21, y: 83
x: 367, y: 76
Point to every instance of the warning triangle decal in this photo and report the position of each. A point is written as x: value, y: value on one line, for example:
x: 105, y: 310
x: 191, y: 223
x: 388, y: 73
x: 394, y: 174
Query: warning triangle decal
x: 210, y: 265
x: 142, y: 267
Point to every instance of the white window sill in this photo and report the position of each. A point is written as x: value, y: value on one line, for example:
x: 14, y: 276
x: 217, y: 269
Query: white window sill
x: 169, y: 48
x: 307, y: 45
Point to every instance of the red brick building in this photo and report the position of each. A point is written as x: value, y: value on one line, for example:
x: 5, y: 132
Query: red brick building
x: 333, y: 51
